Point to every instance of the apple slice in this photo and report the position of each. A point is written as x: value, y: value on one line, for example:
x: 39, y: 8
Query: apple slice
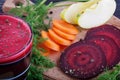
x: 68, y: 14
x: 72, y: 13
x: 97, y: 16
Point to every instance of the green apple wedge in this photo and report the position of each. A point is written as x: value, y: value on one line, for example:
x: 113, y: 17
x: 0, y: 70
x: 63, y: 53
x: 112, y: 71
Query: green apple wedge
x: 93, y: 17
x: 73, y: 12
x: 68, y: 14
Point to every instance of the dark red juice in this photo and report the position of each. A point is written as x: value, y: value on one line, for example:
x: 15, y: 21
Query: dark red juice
x: 15, y: 47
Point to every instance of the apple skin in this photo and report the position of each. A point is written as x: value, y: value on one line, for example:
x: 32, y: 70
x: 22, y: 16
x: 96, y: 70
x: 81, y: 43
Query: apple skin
x: 70, y: 14
x: 93, y: 17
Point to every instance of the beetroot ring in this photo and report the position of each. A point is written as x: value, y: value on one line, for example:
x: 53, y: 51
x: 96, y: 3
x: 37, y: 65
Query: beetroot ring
x: 109, y: 47
x: 107, y: 30
x: 83, y: 60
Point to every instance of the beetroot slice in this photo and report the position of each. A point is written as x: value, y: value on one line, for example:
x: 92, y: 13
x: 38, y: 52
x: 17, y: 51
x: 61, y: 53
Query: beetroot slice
x: 107, y: 30
x: 83, y: 60
x: 109, y: 47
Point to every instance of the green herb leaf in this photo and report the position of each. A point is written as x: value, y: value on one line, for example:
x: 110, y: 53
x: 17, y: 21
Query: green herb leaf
x: 110, y: 74
x: 35, y: 73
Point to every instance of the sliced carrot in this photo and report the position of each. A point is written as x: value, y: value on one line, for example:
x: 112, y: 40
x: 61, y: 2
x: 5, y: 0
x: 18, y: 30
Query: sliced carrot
x: 58, y: 39
x: 49, y: 43
x: 46, y: 51
x: 65, y: 27
x: 63, y: 34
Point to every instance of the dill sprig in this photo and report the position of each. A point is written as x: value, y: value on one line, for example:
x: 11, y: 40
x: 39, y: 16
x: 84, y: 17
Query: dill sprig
x: 111, y: 74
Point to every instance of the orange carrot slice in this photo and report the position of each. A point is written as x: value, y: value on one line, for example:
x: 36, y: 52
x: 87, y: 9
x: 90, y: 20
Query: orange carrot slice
x: 63, y: 34
x: 46, y: 53
x: 49, y: 43
x: 58, y: 39
x: 65, y: 27
x: 47, y: 50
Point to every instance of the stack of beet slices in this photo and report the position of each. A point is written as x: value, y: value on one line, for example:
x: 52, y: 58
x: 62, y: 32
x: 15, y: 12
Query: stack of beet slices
x: 89, y: 57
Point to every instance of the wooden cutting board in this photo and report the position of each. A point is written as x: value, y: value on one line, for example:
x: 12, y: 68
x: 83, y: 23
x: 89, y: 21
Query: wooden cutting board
x: 55, y: 73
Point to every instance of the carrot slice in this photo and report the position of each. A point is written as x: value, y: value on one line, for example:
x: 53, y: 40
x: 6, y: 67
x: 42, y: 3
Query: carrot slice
x: 47, y: 50
x: 49, y: 43
x: 65, y: 27
x: 58, y: 39
x: 46, y: 53
x: 63, y: 34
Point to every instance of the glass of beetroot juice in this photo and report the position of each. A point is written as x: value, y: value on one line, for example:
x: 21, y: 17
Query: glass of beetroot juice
x: 15, y: 48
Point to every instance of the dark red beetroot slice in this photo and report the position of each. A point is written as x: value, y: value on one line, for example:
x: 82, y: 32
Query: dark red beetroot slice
x: 107, y: 30
x: 83, y: 60
x: 109, y: 47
